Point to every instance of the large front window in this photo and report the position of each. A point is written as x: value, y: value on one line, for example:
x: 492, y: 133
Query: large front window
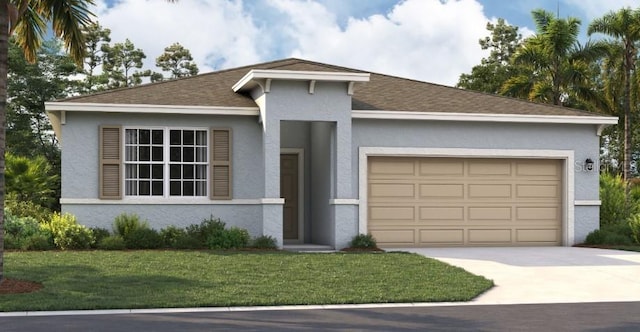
x: 166, y: 162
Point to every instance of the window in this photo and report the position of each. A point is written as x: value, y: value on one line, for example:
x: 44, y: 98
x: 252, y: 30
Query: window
x: 166, y: 162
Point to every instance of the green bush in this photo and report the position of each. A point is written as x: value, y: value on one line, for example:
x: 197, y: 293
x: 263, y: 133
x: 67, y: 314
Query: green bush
x: 612, y: 195
x: 187, y: 242
x: 204, y: 231
x: 112, y: 242
x: 365, y: 241
x: 127, y: 223
x: 39, y: 241
x: 99, y: 234
x: 20, y: 227
x: 264, y: 242
x: 634, y: 226
x: 12, y: 242
x: 171, y: 235
x: 143, y: 238
x: 232, y: 238
x: 26, y: 209
x: 67, y: 233
x: 614, y: 234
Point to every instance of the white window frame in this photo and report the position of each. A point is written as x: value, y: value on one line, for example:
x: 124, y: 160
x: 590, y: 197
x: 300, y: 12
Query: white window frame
x: 166, y: 163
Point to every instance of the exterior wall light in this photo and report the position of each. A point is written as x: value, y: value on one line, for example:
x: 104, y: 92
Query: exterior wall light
x: 588, y: 164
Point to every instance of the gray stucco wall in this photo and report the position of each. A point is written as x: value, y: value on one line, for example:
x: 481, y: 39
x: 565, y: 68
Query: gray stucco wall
x: 581, y: 139
x: 80, y: 170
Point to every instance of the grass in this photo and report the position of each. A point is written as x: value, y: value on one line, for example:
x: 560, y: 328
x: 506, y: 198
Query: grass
x: 155, y: 279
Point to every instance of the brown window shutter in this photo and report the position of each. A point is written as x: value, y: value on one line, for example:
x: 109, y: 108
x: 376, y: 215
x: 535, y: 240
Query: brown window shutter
x: 221, y: 163
x: 110, y: 162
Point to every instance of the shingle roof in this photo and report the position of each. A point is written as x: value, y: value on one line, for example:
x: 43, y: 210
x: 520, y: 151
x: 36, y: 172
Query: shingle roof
x: 382, y: 92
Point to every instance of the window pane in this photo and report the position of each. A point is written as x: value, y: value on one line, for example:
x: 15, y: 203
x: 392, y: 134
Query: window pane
x: 145, y: 136
x: 174, y: 154
x: 175, y: 171
x: 201, y: 137
x: 201, y: 154
x: 201, y: 188
x: 175, y: 188
x: 145, y: 188
x: 187, y: 137
x: 157, y: 137
x: 145, y: 171
x: 174, y: 137
x: 187, y: 188
x: 131, y: 187
x: 156, y: 171
x: 145, y: 153
x: 157, y: 153
x: 156, y: 188
x: 131, y: 136
x: 187, y: 171
x: 131, y: 153
x: 187, y: 154
x: 131, y: 172
x: 201, y: 171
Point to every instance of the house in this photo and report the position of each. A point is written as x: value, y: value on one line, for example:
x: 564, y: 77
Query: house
x: 314, y: 153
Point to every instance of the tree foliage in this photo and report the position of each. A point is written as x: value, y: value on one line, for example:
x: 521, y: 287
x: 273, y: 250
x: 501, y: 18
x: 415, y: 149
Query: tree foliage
x: 96, y: 37
x: 120, y: 62
x: 178, y: 61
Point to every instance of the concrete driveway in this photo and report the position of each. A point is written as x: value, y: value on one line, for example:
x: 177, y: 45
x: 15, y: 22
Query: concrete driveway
x: 547, y: 274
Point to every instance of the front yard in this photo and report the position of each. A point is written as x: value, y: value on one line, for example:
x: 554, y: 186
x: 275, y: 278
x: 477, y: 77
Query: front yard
x: 154, y: 279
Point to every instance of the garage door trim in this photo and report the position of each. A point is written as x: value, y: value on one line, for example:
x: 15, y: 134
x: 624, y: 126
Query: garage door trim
x: 567, y: 156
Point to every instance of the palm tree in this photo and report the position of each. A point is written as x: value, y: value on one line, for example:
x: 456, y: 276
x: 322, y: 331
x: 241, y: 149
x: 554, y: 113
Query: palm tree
x: 554, y: 67
x: 624, y: 27
x: 28, y: 20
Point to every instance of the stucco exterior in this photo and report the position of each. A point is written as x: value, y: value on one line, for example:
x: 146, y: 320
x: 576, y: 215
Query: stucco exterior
x: 318, y: 115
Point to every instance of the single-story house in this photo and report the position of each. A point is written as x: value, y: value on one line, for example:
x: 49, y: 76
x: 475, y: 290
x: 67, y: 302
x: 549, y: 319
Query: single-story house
x: 311, y: 153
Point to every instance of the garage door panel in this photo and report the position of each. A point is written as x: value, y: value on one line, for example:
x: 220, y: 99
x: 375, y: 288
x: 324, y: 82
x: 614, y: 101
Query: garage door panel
x: 489, y: 167
x: 441, y: 167
x: 441, y: 191
x: 454, y: 213
x: 459, y: 202
x: 392, y: 166
x: 395, y: 213
x: 489, y: 191
x: 389, y: 190
x: 441, y: 236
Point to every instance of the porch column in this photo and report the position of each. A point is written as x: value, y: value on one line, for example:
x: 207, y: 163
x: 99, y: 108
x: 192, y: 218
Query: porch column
x: 272, y: 206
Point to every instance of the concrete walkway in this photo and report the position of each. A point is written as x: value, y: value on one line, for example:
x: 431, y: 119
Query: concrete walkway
x: 547, y: 274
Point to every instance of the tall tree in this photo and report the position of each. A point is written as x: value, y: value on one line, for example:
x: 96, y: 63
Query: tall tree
x: 120, y: 62
x: 96, y: 36
x: 493, y: 71
x: 555, y: 68
x: 178, y: 61
x: 29, y: 20
x: 624, y: 26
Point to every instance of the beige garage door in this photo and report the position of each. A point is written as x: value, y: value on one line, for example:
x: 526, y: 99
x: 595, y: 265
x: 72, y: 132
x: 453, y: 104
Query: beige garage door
x: 421, y: 202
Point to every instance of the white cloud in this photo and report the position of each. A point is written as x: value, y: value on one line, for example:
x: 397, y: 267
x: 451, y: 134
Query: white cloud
x: 215, y: 31
x: 597, y: 8
x: 422, y: 39
x: 429, y: 40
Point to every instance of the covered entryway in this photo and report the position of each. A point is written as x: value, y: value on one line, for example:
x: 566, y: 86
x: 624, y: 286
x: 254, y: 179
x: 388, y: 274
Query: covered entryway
x: 432, y: 201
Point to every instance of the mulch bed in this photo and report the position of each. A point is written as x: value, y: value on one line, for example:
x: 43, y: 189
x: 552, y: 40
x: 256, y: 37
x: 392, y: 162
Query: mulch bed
x: 15, y: 286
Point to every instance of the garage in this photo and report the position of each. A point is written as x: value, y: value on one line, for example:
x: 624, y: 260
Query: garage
x: 437, y: 201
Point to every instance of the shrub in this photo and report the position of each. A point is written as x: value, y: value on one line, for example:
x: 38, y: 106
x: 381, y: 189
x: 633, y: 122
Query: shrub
x: 187, y: 242
x: 99, y: 234
x: 171, y: 235
x: 207, y: 229
x: 20, y: 227
x: 612, y: 195
x: 12, y: 242
x: 614, y: 234
x: 264, y: 242
x: 595, y: 238
x: 67, y: 233
x: 232, y: 238
x: 365, y: 241
x: 143, y: 238
x: 39, y: 241
x: 127, y: 223
x: 634, y: 225
x: 112, y: 242
x: 26, y: 209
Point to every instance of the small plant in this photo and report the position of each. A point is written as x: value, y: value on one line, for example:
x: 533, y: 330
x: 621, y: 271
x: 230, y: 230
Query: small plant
x: 612, y: 234
x: 634, y: 225
x: 363, y: 241
x: 112, y: 242
x: 67, y: 233
x: 21, y: 208
x: 232, y: 238
x: 264, y: 242
x: 20, y: 227
x: 171, y: 235
x: 143, y: 238
x: 99, y: 234
x: 205, y: 230
x: 39, y: 241
x: 127, y: 223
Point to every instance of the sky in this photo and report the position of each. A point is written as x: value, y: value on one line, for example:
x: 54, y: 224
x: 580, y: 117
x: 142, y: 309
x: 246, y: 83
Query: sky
x: 427, y: 40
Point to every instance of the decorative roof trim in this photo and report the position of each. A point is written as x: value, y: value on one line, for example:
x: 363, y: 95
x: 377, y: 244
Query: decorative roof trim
x: 144, y: 108
x: 257, y: 76
x: 484, y: 117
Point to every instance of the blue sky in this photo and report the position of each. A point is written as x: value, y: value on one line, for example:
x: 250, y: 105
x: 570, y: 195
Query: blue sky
x: 430, y: 40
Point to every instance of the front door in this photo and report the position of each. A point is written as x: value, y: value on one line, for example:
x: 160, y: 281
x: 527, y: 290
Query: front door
x: 289, y: 191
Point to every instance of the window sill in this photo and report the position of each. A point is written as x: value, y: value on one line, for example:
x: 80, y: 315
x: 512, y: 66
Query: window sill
x: 166, y: 201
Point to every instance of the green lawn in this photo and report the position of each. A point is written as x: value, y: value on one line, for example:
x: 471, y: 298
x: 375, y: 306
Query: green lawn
x: 153, y: 279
